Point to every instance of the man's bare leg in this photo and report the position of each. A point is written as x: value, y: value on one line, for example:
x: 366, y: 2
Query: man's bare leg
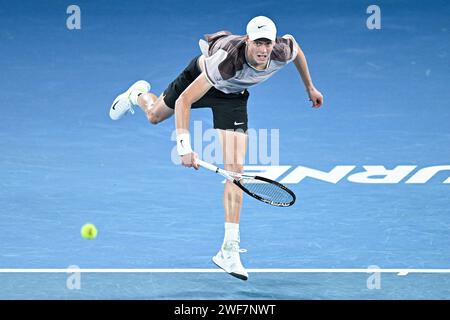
x: 155, y: 108
x: 234, y: 146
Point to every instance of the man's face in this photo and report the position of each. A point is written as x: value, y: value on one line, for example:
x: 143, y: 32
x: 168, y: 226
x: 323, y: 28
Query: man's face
x: 259, y: 50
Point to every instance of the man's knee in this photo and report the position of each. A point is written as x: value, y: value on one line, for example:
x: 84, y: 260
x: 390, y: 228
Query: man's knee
x: 154, y: 114
x: 153, y: 117
x: 159, y: 111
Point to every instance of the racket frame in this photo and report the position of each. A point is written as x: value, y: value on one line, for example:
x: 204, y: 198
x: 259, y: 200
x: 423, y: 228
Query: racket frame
x: 236, y: 177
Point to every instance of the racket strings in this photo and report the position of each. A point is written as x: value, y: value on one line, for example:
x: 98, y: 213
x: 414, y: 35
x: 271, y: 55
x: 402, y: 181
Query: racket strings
x: 267, y: 190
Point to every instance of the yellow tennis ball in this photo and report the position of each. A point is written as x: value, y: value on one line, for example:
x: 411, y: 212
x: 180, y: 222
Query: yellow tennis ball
x: 88, y: 231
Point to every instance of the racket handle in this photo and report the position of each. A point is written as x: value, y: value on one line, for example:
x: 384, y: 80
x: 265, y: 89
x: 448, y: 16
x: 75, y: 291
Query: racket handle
x: 207, y: 165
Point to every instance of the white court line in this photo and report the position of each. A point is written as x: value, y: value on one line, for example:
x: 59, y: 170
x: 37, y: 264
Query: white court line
x: 400, y: 272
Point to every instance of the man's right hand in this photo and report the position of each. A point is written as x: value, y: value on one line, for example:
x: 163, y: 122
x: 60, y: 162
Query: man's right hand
x: 190, y: 160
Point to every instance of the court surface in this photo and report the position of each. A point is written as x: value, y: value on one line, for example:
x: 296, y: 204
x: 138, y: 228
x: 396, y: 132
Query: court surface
x: 63, y: 162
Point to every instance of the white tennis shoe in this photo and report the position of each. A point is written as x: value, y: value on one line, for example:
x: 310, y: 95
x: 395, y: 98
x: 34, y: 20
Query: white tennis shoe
x: 124, y: 102
x: 229, y: 260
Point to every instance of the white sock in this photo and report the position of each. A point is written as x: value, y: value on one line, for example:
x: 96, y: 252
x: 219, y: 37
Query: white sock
x: 134, y: 96
x: 231, y: 232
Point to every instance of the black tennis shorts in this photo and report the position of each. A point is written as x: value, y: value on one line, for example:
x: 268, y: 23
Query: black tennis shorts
x: 229, y: 109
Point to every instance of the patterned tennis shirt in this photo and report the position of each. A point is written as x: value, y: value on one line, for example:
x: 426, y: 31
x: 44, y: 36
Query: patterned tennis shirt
x: 226, y: 65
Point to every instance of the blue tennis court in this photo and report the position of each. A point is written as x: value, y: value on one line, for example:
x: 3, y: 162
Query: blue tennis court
x: 381, y: 141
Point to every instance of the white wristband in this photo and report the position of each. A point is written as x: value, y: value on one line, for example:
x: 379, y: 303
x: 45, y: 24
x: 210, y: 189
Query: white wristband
x: 184, y: 144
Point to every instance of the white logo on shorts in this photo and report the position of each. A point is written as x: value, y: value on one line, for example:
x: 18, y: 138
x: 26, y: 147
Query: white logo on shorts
x: 238, y: 123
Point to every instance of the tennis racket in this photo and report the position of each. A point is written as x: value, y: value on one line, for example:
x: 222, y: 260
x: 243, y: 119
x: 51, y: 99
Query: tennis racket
x: 260, y: 188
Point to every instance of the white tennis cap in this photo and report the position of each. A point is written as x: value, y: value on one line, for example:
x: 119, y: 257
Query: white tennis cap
x: 261, y: 27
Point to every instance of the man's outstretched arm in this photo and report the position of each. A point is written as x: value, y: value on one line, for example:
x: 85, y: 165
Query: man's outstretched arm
x: 191, y: 94
x: 302, y: 66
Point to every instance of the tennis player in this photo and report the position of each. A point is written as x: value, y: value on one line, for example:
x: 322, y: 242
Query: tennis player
x: 219, y: 79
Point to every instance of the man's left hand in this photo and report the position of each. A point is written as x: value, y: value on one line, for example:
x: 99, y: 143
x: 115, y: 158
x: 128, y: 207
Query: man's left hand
x: 315, y: 97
